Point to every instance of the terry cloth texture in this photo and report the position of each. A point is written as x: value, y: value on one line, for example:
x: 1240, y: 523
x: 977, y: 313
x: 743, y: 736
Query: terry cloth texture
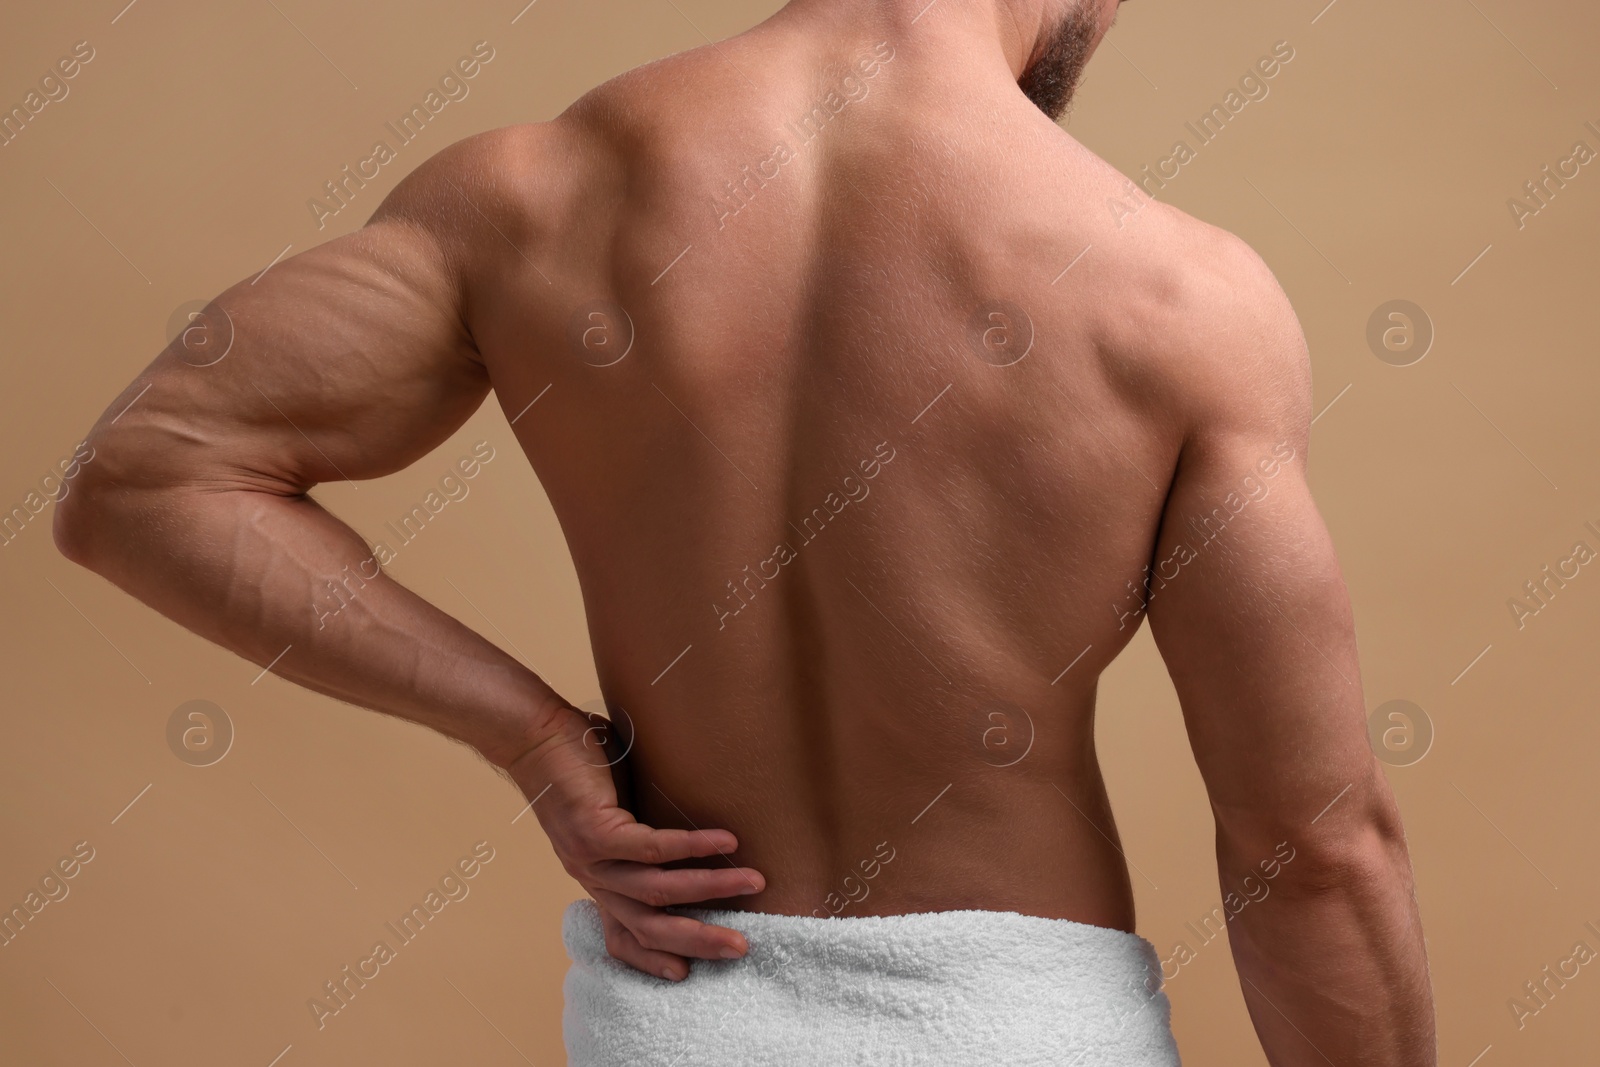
x: 950, y: 988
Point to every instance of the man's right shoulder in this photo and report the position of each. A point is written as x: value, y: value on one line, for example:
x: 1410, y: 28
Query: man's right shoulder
x: 1207, y: 317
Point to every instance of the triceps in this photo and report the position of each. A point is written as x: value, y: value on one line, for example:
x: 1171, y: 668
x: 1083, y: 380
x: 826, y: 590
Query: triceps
x: 335, y: 365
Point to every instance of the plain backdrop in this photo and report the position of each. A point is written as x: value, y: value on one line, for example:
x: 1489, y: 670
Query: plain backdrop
x: 220, y: 898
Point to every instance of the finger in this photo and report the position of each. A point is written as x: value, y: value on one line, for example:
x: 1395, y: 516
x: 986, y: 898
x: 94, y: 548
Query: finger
x: 659, y: 887
x: 665, y: 932
x: 625, y: 948
x: 646, y: 844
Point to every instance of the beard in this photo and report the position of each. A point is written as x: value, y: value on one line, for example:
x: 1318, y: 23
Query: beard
x: 1052, y: 78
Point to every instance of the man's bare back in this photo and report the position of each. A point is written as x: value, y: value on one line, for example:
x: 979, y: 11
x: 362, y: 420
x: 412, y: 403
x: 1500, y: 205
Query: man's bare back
x: 877, y: 413
x: 863, y: 466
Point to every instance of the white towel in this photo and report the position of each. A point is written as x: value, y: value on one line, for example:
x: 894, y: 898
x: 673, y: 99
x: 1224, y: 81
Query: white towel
x: 945, y: 987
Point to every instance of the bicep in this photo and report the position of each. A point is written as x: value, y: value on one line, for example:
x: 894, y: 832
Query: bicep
x: 1252, y: 618
x: 344, y: 362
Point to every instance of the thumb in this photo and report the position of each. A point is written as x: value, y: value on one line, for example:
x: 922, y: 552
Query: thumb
x: 616, y: 735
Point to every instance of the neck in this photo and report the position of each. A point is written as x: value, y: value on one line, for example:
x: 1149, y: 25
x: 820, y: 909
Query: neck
x: 1008, y: 32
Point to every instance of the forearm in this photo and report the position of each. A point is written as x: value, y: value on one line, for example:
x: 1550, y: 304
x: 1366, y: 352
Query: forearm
x: 280, y: 581
x: 1331, y: 961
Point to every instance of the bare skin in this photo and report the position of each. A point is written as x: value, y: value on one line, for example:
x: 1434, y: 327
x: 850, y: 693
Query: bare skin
x: 850, y: 471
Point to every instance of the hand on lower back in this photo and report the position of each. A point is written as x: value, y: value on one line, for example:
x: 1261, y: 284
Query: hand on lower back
x: 618, y: 860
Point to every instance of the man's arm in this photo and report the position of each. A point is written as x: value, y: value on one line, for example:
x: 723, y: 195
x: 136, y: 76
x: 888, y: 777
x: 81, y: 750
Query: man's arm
x: 1250, y: 613
x: 351, y: 361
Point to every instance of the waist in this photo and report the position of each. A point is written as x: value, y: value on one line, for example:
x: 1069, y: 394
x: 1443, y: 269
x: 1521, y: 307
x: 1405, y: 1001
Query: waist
x: 1011, y: 841
x: 947, y: 987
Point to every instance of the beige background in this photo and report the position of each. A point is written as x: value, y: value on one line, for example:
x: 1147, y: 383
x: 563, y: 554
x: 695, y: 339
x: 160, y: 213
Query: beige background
x: 221, y: 900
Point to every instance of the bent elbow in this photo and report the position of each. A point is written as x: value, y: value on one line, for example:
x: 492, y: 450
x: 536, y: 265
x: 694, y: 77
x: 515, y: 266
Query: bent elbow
x: 83, y: 518
x: 74, y: 525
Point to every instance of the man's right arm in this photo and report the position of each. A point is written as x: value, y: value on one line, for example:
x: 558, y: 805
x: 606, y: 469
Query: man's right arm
x: 1251, y: 615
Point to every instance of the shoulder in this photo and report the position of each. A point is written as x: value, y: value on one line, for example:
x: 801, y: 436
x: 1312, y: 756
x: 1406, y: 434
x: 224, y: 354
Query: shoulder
x: 1191, y: 322
x: 494, y: 170
x: 484, y: 203
x: 1206, y: 317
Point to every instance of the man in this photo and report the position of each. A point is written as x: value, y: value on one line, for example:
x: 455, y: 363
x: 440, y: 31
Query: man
x: 863, y: 417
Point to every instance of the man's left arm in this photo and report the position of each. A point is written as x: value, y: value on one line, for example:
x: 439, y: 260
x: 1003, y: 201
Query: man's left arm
x: 346, y: 362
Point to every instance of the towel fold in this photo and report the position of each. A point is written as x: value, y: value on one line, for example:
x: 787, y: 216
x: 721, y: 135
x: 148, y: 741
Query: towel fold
x: 950, y: 988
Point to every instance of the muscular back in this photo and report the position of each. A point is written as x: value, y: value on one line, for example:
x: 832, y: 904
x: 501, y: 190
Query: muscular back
x: 852, y: 467
x: 878, y: 414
